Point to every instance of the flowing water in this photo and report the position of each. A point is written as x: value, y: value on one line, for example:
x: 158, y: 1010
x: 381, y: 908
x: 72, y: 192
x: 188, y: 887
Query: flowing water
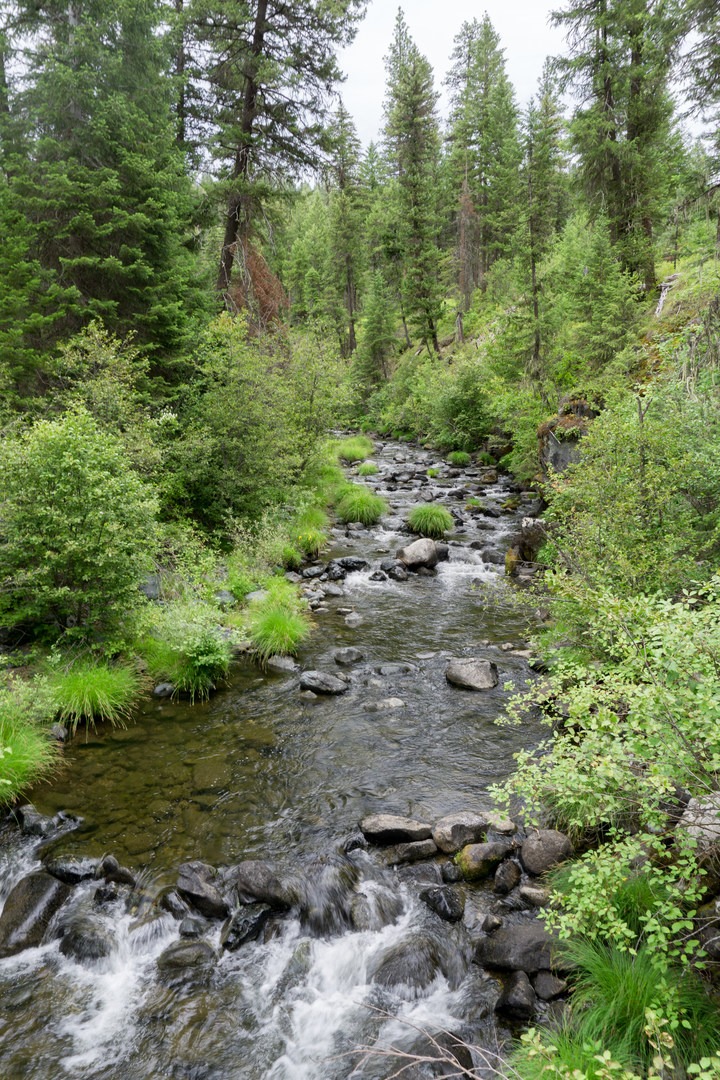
x: 260, y: 772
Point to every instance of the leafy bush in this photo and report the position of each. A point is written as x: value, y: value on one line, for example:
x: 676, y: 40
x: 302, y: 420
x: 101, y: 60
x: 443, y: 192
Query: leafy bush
x: 89, y: 691
x: 561, y: 1053
x: 368, y: 468
x: 187, y: 648
x: 26, y: 753
x: 356, y: 448
x: 459, y: 459
x: 358, y: 503
x: 78, y: 527
x: 433, y: 521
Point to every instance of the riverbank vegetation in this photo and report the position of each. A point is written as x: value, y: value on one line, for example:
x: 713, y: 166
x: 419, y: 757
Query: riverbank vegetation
x: 184, y: 318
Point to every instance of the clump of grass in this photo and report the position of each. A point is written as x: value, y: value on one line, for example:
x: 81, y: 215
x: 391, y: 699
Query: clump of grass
x: 291, y: 558
x: 485, y: 459
x: 432, y: 521
x: 240, y: 581
x: 278, y: 624
x: 358, y: 503
x: 187, y: 648
x: 309, y: 531
x: 432, y: 473
x: 368, y: 468
x: 559, y: 1053
x: 26, y: 753
x: 356, y: 448
x: 89, y: 690
x: 459, y: 459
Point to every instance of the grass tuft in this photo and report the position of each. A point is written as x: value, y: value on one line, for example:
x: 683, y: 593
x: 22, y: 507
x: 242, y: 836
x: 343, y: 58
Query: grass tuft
x: 433, y: 472
x: 559, y: 1053
x: 187, y: 648
x: 433, y: 521
x: 89, y: 691
x: 278, y: 624
x: 459, y: 459
x: 356, y: 448
x: 358, y: 503
x: 368, y: 468
x: 26, y: 753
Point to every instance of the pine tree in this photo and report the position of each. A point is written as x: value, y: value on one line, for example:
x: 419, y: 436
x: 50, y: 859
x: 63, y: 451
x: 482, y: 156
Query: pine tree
x: 345, y: 226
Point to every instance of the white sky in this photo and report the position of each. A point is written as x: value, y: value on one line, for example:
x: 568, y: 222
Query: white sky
x: 523, y: 26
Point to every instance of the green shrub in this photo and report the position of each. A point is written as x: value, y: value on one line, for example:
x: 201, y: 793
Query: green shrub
x: 187, y: 648
x: 358, y: 503
x: 433, y: 521
x: 26, y: 753
x: 356, y: 448
x: 291, y: 558
x: 558, y: 1053
x: 368, y: 468
x: 240, y: 581
x: 308, y: 531
x: 89, y: 691
x: 459, y: 459
x: 278, y: 623
x: 484, y: 458
x: 432, y: 473
x: 78, y: 527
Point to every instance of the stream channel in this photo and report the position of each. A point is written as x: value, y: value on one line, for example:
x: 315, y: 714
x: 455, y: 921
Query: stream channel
x: 261, y: 772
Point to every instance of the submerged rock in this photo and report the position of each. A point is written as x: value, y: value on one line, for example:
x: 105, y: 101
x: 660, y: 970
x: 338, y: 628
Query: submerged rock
x: 347, y: 656
x: 87, y: 938
x: 472, y: 674
x: 28, y: 910
x: 413, y: 963
x: 321, y: 683
x: 181, y: 956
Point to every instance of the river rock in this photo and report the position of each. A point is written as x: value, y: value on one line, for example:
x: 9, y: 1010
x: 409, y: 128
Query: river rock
x: 421, y: 553
x: 520, y: 947
x: 247, y: 924
x: 32, y: 822
x: 544, y: 849
x: 195, y: 884
x: 310, y: 573
x: 413, y: 963
x: 255, y: 881
x: 173, y: 904
x: 701, y: 821
x: 112, y: 871
x: 454, y: 831
x: 319, y: 682
x: 28, y: 909
x: 183, y: 955
x: 352, y: 563
x: 347, y: 656
x: 445, y: 902
x: 443, y: 551
x: 496, y: 823
x: 390, y: 829
x: 478, y: 861
x: 87, y: 938
x: 71, y: 870
x: 192, y: 927
x: 164, y: 690
x: 534, y: 897
x: 384, y: 705
x: 451, y: 873
x: 518, y: 997
x: 533, y: 535
x: 547, y: 986
x: 398, y: 573
x: 472, y: 674
x: 353, y: 620
x: 507, y: 876
x: 412, y: 852
x: 491, y: 923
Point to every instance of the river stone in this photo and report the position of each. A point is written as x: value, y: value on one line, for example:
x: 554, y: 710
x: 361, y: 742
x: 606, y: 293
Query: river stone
x: 32, y: 822
x: 413, y: 963
x: 321, y: 683
x: 348, y: 655
x: 445, y: 902
x: 544, y: 849
x: 491, y: 923
x: 507, y: 876
x: 412, y: 852
x: 533, y: 896
x: 28, y: 909
x: 195, y: 885
x: 247, y: 924
x: 518, y: 997
x: 71, y: 870
x: 191, y: 927
x: 451, y: 873
x: 87, y: 938
x: 398, y: 573
x: 472, y: 674
x: 181, y: 955
x: 521, y: 947
x: 352, y: 563
x: 335, y: 572
x: 701, y: 820
x: 281, y: 664
x: 453, y: 832
x: 499, y: 824
x: 112, y: 871
x: 384, y: 705
x: 312, y: 572
x: 390, y: 829
x: 547, y: 986
x: 164, y: 690
x: 255, y: 881
x: 353, y: 620
x: 173, y: 904
x: 479, y: 860
x: 420, y: 553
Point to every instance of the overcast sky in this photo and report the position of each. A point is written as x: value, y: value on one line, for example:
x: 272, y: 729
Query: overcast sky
x: 523, y: 26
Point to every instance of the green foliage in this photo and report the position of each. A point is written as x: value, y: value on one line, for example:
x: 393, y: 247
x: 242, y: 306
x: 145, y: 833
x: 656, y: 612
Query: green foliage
x: 186, y: 647
x: 428, y: 520
x: 433, y: 473
x: 459, y: 459
x: 278, y: 624
x: 564, y: 1053
x: 356, y: 448
x: 26, y: 753
x: 368, y: 468
x: 87, y: 690
x: 358, y: 503
x: 78, y: 527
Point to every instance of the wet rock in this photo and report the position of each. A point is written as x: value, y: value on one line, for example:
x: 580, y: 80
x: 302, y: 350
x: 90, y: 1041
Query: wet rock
x: 443, y: 551
x: 195, y: 884
x: 105, y: 894
x: 419, y: 875
x: 520, y: 947
x: 319, y: 682
x: 59, y: 732
x: 335, y: 571
x: 87, y: 938
x: 413, y: 963
x: 388, y: 564
x: 547, y: 986
x: 518, y: 998
x: 72, y: 870
x: 472, y: 674
x: 348, y: 655
x: 701, y: 821
x: 384, y: 705
x: 454, y: 831
x: 426, y: 571
x: 378, y: 575
x: 355, y: 842
x: 164, y: 690
x: 352, y: 563
x: 544, y: 849
x: 32, y: 822
x: 182, y: 956
x: 502, y: 825
x: 507, y: 877
x: 478, y: 861
x: 333, y: 590
x: 28, y: 910
x: 491, y: 923
x: 245, y: 925
x: 533, y: 896
x: 390, y: 829
x: 445, y: 902
x: 421, y: 553
x: 412, y: 852
x: 451, y: 873
x: 398, y: 573
x: 256, y: 881
x: 312, y: 572
x: 191, y: 927
x: 389, y: 670
x: 283, y: 665
x: 111, y: 870
x: 171, y: 902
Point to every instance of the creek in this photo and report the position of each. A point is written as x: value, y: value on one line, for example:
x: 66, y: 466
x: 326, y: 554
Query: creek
x: 260, y: 772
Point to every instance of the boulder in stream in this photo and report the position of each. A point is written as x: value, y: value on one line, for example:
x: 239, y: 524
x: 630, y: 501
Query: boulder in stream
x: 414, y: 963
x: 32, y: 822
x: 28, y: 910
x: 472, y: 674
x: 247, y: 924
x: 521, y: 947
x: 254, y: 881
x: 185, y: 956
x: 518, y: 997
x: 445, y: 902
x: 86, y: 937
x: 544, y: 849
x: 391, y: 829
x: 195, y: 884
x: 348, y: 655
x: 454, y: 831
x: 412, y: 852
x: 478, y: 861
x: 319, y: 682
x: 72, y: 870
x: 420, y: 553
